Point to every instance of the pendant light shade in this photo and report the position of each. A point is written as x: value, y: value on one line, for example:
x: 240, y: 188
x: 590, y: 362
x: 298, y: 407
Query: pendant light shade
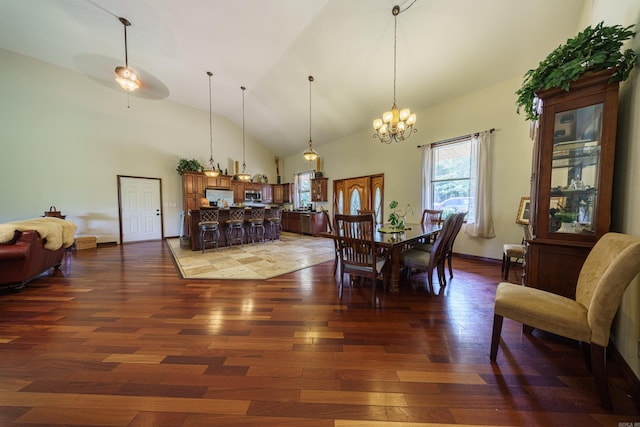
x: 211, y: 170
x: 244, y: 176
x: 125, y: 76
x: 310, y: 154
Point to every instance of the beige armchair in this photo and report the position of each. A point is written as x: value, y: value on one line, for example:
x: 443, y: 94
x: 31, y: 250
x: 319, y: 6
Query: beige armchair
x: 611, y: 265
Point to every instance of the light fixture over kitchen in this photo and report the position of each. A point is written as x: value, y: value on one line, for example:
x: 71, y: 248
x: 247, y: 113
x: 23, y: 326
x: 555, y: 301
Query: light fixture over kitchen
x: 395, y: 125
x: 310, y: 154
x: 125, y: 76
x: 211, y: 171
x: 244, y: 176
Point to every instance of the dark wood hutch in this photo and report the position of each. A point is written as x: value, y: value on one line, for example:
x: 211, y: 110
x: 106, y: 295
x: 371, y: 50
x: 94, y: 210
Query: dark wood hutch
x: 571, y: 180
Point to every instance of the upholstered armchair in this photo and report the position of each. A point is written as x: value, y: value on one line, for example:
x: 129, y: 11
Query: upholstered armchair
x: 611, y: 265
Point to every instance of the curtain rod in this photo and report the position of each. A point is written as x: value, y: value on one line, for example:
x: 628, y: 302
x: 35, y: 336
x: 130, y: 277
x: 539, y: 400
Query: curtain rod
x: 457, y: 138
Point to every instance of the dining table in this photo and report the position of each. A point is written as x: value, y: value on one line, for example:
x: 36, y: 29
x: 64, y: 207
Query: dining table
x: 394, y: 241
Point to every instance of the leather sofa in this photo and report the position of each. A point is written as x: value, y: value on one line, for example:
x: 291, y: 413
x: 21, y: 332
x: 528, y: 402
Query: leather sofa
x: 25, y: 258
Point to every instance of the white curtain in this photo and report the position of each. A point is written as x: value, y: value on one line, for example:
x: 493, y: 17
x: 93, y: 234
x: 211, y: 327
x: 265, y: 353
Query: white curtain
x: 294, y: 196
x: 426, y: 177
x: 481, y: 225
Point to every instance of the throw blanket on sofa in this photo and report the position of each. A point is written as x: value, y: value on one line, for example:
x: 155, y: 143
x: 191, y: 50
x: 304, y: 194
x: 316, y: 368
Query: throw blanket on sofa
x: 57, y: 232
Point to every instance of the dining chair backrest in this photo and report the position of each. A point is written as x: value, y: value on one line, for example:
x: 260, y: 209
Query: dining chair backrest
x: 431, y: 216
x: 325, y: 214
x: 356, y: 239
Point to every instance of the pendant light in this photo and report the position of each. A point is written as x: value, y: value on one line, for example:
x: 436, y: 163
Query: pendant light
x: 125, y: 76
x: 395, y: 125
x: 211, y: 171
x: 244, y: 176
x: 310, y: 154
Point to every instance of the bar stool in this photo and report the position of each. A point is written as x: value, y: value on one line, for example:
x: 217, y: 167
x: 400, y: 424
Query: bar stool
x: 274, y: 221
x: 209, y: 224
x: 235, y: 225
x: 256, y: 222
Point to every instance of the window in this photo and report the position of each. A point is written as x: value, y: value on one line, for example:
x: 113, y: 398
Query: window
x: 451, y: 177
x: 304, y: 188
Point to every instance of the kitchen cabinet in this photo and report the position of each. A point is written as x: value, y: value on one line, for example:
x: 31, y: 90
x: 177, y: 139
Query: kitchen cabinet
x: 193, y: 190
x: 282, y: 193
x: 571, y: 180
x: 267, y: 193
x: 238, y: 191
x: 319, y: 189
x: 222, y: 182
x: 304, y: 222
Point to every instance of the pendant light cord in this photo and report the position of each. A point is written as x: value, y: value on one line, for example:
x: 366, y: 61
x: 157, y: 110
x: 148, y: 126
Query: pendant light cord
x: 244, y: 165
x: 209, y: 73
x: 310, y: 80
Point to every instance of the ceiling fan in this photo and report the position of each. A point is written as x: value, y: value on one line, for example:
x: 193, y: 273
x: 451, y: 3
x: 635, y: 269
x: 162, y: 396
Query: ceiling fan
x: 138, y: 83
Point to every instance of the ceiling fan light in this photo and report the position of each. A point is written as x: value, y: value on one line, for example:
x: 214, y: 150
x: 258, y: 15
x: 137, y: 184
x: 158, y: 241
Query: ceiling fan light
x: 127, y: 78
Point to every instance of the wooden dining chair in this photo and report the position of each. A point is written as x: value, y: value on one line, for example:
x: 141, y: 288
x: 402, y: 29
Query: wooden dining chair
x: 432, y: 260
x: 358, y: 252
x: 430, y: 216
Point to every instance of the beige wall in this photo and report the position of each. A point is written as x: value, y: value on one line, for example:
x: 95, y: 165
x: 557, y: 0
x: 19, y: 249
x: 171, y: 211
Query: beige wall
x: 64, y: 139
x: 492, y: 107
x: 626, y: 201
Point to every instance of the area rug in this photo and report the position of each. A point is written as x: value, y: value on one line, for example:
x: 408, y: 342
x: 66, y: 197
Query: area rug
x: 253, y: 261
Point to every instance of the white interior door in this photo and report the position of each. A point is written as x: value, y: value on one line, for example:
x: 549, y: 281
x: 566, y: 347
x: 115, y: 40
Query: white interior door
x: 140, y: 207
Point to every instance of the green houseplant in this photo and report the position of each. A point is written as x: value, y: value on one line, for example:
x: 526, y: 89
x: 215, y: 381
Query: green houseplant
x: 594, y: 49
x: 192, y: 165
x: 397, y: 218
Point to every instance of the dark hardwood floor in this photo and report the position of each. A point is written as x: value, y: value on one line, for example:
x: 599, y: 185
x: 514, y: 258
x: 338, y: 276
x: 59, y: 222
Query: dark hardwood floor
x: 116, y: 338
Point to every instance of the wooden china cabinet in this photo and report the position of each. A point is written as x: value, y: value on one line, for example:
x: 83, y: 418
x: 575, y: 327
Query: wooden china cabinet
x: 571, y: 180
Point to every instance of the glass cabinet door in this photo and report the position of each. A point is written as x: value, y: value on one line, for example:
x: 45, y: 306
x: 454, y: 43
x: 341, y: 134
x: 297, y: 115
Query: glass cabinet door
x: 575, y: 170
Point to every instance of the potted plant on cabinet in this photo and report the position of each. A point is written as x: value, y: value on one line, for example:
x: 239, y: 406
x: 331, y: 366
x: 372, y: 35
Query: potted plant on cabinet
x: 192, y: 165
x: 594, y: 49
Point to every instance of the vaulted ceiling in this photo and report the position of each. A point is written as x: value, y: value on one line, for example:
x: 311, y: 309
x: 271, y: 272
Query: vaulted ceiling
x: 445, y: 48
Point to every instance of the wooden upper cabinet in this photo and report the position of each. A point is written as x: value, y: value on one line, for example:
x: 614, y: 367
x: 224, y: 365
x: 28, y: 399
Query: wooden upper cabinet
x: 319, y: 189
x: 571, y: 180
x: 193, y: 182
x: 238, y: 191
x: 282, y: 193
x: 222, y: 182
x: 267, y: 193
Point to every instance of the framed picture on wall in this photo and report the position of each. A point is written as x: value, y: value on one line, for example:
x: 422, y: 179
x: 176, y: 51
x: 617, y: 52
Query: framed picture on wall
x: 523, y: 211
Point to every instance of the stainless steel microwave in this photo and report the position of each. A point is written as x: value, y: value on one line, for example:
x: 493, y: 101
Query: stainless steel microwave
x: 252, y: 196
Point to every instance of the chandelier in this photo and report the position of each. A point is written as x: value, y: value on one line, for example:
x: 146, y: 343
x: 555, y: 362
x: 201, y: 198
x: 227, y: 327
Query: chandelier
x: 310, y: 154
x: 244, y: 176
x: 125, y: 76
x: 211, y: 171
x: 395, y: 125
